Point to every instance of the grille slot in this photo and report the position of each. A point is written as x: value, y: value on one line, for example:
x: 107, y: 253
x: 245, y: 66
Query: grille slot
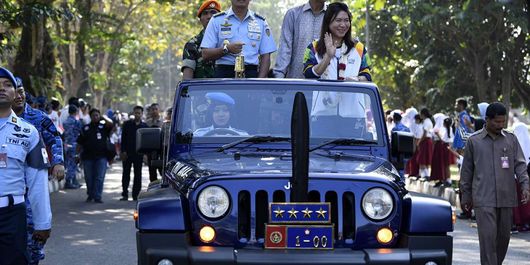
x: 313, y: 196
x: 348, y: 220
x: 243, y: 214
x: 278, y: 196
x: 344, y: 202
x: 262, y: 213
x: 331, y: 197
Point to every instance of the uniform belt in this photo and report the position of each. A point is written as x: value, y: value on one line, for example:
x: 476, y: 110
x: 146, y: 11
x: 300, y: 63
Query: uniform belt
x: 11, y: 200
x: 252, y: 67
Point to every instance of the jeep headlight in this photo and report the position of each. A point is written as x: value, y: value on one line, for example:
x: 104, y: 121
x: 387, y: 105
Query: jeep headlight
x: 377, y: 204
x: 213, y: 202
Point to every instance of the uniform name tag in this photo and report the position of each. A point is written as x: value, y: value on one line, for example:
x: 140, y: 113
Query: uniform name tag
x: 20, y: 142
x: 99, y: 136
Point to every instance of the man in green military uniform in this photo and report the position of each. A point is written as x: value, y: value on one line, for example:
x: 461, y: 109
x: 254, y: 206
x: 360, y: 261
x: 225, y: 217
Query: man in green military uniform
x: 193, y: 65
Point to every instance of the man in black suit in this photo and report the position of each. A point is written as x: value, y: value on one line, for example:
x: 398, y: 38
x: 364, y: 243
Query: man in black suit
x: 129, y: 156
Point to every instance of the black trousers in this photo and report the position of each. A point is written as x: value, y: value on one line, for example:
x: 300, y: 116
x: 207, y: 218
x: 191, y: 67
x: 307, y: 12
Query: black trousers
x: 136, y: 162
x: 152, y: 170
x: 13, y: 238
x: 227, y: 71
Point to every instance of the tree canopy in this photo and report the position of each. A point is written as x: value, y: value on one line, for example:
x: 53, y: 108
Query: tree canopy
x: 122, y: 52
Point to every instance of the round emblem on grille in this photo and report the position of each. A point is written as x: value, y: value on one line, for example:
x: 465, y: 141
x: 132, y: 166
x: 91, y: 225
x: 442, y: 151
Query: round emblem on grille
x: 276, y: 237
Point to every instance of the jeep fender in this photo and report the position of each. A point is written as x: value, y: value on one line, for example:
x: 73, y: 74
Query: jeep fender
x: 162, y: 209
x: 426, y: 214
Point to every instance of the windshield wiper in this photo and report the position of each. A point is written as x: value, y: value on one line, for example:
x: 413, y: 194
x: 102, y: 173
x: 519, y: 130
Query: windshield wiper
x: 343, y: 141
x: 254, y: 139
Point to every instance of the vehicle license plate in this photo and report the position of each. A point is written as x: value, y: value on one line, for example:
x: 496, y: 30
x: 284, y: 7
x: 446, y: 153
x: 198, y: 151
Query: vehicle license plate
x: 299, y: 236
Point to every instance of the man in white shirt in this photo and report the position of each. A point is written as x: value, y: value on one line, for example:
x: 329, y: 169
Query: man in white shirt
x: 301, y: 25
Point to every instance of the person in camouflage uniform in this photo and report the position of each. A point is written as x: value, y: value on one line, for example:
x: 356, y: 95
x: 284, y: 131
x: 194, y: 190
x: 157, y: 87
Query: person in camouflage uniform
x: 52, y: 140
x: 193, y: 66
x: 72, y: 130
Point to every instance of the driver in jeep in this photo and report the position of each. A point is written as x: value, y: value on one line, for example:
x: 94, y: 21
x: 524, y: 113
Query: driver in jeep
x: 219, y: 109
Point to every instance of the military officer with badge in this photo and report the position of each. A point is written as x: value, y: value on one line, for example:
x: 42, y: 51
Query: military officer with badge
x: 193, y: 65
x: 238, y: 32
x: 23, y: 170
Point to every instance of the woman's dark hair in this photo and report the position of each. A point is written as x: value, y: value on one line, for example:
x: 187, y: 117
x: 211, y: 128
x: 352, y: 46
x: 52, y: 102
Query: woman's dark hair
x: 425, y: 112
x: 495, y: 109
x: 331, y: 12
x: 55, y: 104
x: 448, y: 122
x: 462, y: 101
x: 93, y: 110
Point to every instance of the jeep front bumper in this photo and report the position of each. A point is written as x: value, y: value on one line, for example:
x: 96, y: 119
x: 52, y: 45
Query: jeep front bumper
x: 413, y: 249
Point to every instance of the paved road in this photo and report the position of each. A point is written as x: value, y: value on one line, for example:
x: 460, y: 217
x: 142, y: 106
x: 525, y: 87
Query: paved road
x: 101, y: 234
x: 466, y: 248
x: 90, y: 233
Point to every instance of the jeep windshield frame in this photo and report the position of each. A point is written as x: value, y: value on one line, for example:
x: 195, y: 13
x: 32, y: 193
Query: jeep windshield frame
x: 262, y: 107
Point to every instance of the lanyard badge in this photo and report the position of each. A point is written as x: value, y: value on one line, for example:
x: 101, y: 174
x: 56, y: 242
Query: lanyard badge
x: 3, y: 157
x: 504, y: 160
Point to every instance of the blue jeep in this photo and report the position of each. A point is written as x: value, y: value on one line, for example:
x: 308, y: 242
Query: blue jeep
x: 284, y: 172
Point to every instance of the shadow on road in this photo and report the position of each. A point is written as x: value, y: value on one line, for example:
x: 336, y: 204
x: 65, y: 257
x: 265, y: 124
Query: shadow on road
x: 92, y: 233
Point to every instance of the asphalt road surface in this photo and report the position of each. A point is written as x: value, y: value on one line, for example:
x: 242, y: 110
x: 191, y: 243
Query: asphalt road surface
x: 101, y: 234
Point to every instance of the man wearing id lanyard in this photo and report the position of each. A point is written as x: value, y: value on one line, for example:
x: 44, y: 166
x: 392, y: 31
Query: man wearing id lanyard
x: 492, y: 157
x: 93, y: 146
x: 23, y: 168
x: 238, y: 31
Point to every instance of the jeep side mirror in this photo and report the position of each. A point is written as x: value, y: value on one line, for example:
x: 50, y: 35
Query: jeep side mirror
x: 402, y: 144
x: 148, y: 140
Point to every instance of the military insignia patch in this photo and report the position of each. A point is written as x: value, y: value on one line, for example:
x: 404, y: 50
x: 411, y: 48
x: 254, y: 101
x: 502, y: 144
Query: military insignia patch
x: 19, y: 135
x: 26, y: 130
x: 226, y: 24
x: 276, y: 237
x: 268, y: 32
x: 20, y: 142
x: 13, y: 119
x: 17, y: 128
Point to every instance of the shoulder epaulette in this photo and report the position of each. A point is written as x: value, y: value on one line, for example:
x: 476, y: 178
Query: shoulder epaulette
x: 219, y: 14
x: 259, y: 16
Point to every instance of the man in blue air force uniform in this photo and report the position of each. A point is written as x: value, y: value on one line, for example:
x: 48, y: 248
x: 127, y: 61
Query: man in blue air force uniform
x: 238, y: 30
x: 54, y: 144
x: 23, y: 168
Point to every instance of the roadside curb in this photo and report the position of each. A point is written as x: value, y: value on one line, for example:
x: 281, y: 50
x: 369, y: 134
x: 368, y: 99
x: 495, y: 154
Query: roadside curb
x: 426, y: 187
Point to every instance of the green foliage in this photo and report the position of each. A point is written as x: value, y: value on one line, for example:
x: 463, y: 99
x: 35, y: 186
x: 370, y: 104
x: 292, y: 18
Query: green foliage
x: 427, y: 53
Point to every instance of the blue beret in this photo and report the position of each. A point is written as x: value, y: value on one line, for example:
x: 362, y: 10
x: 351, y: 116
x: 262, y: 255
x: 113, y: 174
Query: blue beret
x: 220, y: 98
x: 7, y: 74
x: 19, y: 82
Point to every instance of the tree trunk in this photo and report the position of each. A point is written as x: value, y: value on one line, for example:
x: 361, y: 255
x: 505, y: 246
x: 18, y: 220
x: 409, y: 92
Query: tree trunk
x: 35, y: 60
x: 480, y: 78
x: 506, y: 86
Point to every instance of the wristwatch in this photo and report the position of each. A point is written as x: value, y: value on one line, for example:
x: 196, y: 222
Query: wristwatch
x: 225, y: 47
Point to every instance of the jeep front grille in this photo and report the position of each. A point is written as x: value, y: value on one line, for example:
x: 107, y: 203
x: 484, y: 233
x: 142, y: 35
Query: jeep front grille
x: 253, y: 212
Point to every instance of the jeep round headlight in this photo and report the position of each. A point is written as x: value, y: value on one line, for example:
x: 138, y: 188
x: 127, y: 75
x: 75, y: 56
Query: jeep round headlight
x: 213, y: 202
x: 377, y: 204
